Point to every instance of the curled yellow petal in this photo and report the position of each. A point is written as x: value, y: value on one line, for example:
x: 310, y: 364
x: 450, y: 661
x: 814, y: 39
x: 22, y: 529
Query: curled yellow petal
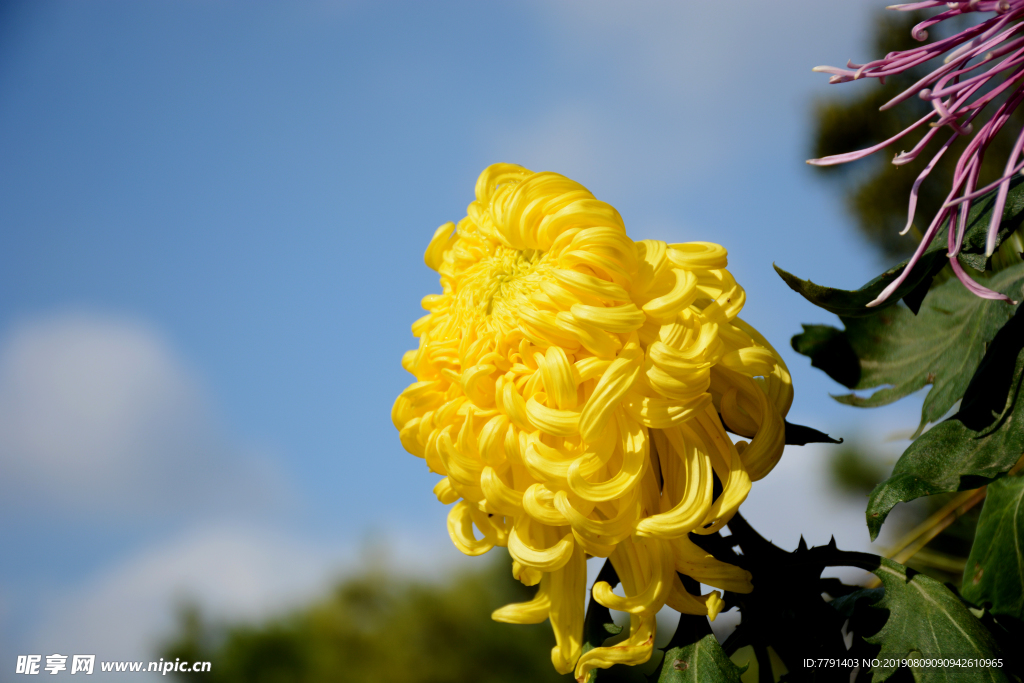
x: 727, y: 465
x: 650, y: 263
x: 634, y: 446
x: 653, y: 595
x: 750, y: 361
x: 543, y: 559
x: 568, y: 592
x: 446, y: 495
x: 698, y: 255
x: 620, y: 376
x: 683, y: 602
x: 539, y: 503
x: 440, y: 243
x: 591, y: 286
x: 702, y: 566
x: 662, y: 413
x: 460, y: 466
x: 460, y: 528
x: 692, y: 506
x: 682, y: 295
x: 547, y: 463
x: 532, y: 612
x: 501, y: 498
x: 597, y: 341
x: 618, y: 319
x: 633, y: 651
x: 599, y: 533
x: 552, y: 420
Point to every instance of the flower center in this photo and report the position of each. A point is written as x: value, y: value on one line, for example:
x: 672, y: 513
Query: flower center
x: 494, y: 288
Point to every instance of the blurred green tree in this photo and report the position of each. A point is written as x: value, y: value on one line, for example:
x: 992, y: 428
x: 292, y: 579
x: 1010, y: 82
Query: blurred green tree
x: 380, y: 628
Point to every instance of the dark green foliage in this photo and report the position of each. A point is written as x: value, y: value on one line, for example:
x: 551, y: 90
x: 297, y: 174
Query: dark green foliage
x: 846, y: 303
x: 701, y: 661
x: 979, y: 443
x: 927, y: 620
x: 377, y: 629
x: 945, y: 344
x: 945, y: 556
x: 968, y: 350
x: 786, y: 613
x: 942, y: 345
x: 995, y: 568
x: 830, y: 351
x: 913, y: 616
x: 853, y: 303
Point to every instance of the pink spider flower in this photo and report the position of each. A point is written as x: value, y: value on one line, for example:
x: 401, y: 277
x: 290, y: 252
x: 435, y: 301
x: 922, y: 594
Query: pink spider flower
x: 983, y: 62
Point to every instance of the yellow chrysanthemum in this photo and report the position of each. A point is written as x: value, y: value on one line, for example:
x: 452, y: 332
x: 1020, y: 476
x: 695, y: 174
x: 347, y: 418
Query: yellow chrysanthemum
x: 571, y: 389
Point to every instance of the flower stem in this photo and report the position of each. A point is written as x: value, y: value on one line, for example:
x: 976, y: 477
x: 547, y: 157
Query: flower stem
x: 923, y: 533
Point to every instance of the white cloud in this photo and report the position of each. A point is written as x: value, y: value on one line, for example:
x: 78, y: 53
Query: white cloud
x: 97, y: 415
x: 234, y: 572
x: 231, y: 571
x: 102, y: 425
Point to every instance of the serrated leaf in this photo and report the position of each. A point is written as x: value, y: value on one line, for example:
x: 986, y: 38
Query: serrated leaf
x: 995, y: 568
x: 853, y: 303
x: 942, y: 345
x: 926, y: 620
x: 703, y: 661
x: 978, y: 444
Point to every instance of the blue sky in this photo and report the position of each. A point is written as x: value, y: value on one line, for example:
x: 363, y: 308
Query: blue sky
x: 213, y: 218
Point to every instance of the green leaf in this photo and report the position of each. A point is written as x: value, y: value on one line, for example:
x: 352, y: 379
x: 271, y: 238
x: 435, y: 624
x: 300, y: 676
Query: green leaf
x: 830, y: 351
x: 849, y: 604
x: 926, y: 620
x: 978, y: 444
x: 995, y: 568
x: 942, y: 345
x: 703, y: 661
x: 853, y: 303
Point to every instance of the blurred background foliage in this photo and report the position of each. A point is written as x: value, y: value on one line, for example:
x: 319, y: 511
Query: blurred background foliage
x: 854, y: 471
x: 381, y: 627
x: 876, y: 193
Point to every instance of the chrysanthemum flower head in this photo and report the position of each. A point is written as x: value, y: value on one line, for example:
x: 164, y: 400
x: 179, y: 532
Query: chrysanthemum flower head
x: 575, y: 390
x: 983, y: 69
